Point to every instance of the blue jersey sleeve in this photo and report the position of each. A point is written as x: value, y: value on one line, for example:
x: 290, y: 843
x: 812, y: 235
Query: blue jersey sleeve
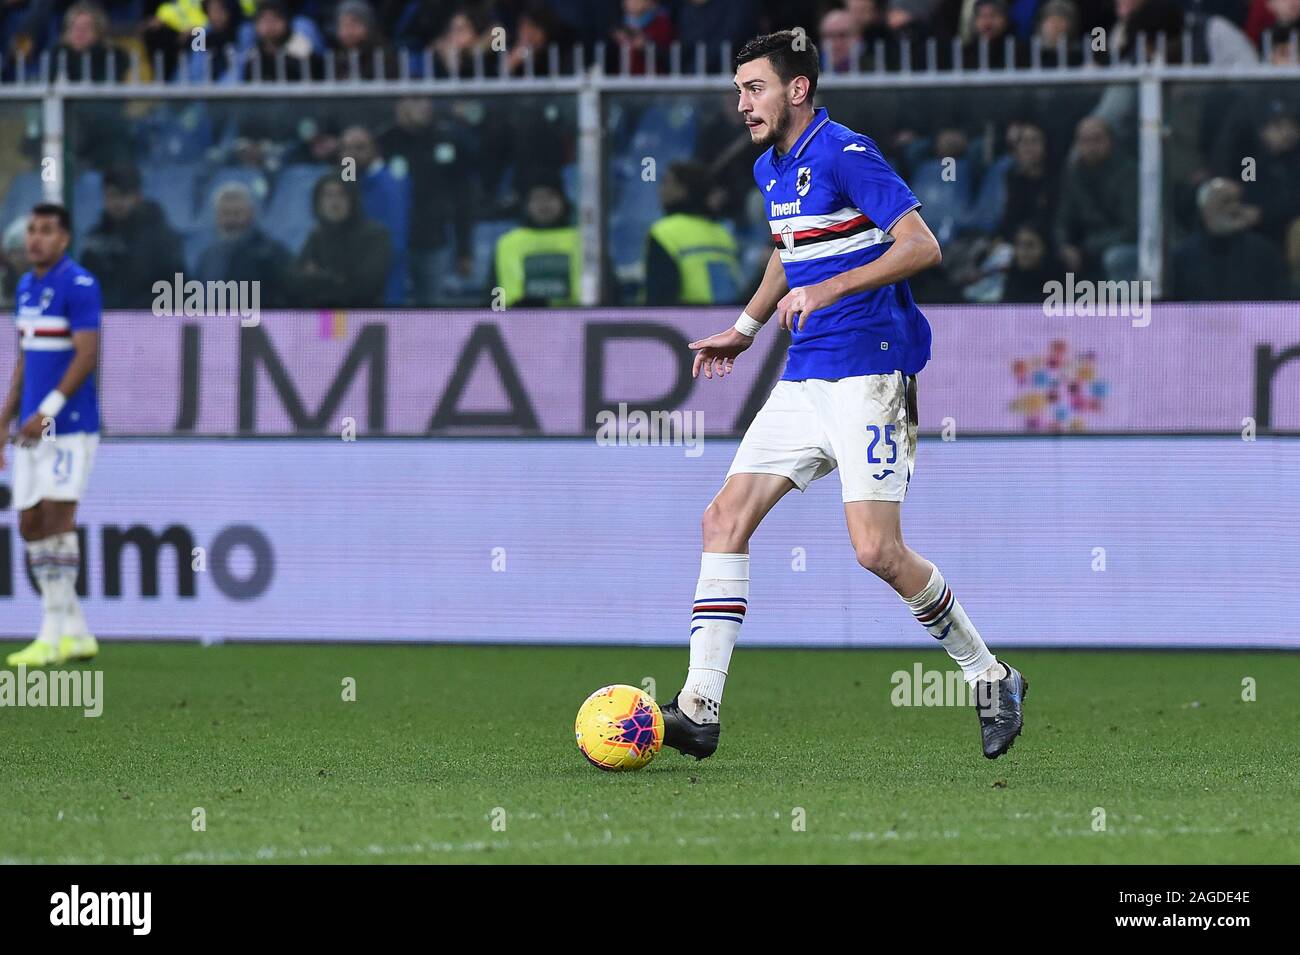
x: 84, y: 304
x: 871, y: 183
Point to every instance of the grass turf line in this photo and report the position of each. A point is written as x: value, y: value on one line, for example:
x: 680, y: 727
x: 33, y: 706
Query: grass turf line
x: 441, y: 738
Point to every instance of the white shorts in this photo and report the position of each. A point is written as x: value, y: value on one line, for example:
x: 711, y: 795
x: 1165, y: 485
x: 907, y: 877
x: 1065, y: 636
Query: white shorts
x: 53, y: 470
x: 865, y: 425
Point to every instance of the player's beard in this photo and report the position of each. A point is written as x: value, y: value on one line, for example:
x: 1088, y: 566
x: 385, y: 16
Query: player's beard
x: 776, y: 129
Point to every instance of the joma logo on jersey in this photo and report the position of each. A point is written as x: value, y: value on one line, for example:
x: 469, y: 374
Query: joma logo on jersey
x: 785, y: 208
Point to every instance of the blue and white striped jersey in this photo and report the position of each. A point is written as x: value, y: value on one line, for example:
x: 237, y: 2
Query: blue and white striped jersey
x: 831, y: 201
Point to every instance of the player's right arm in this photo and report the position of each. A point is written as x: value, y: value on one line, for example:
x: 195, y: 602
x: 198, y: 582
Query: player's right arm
x: 717, y: 353
x: 9, y: 410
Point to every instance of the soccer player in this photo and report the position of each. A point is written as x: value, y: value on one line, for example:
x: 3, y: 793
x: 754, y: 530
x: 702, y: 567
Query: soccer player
x: 53, y: 394
x: 847, y: 236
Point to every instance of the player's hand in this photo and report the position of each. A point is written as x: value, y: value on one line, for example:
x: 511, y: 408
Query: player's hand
x: 717, y: 353
x: 793, y: 310
x: 33, y: 429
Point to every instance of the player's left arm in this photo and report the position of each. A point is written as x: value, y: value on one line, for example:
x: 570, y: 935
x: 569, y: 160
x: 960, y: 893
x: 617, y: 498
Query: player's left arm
x: 85, y: 357
x: 913, y: 250
x: 85, y: 312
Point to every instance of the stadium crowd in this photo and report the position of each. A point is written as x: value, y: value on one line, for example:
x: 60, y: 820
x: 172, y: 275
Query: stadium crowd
x: 453, y: 198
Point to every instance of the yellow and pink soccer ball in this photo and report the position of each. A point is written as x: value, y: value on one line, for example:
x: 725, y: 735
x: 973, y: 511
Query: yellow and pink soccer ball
x: 619, y: 727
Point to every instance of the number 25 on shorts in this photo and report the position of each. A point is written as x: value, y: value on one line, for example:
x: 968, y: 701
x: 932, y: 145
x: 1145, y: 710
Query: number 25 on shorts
x: 889, y: 443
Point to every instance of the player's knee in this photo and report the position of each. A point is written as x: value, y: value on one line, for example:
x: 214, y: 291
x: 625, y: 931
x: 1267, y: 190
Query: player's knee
x: 880, y: 555
x: 30, y: 525
x: 721, y: 527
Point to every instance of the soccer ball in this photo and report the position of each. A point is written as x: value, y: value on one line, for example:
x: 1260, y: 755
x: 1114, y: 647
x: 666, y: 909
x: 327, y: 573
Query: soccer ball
x: 619, y: 727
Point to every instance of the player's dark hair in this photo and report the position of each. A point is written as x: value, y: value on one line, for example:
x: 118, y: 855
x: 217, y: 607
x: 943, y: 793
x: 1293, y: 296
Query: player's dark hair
x: 790, y: 52
x: 56, y: 210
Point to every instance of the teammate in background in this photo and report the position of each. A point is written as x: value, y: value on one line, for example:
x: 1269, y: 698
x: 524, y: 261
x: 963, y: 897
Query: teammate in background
x: 847, y: 235
x: 54, y: 397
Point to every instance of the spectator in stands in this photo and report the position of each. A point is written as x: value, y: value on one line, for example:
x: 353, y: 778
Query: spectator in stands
x: 346, y: 260
x: 281, y: 48
x: 1058, y: 23
x: 461, y: 48
x: 713, y: 23
x: 84, y: 50
x: 13, y: 260
x: 444, y: 192
x: 1116, y: 37
x: 357, y: 42
x: 536, y: 29
x: 242, y: 251
x: 1226, y: 259
x: 869, y: 22
x: 837, y: 36
x: 132, y: 246
x: 645, y: 24
x: 540, y: 262
x: 992, y: 33
x: 690, y: 258
x: 1031, y: 183
x: 944, y: 177
x: 1032, y: 265
x: 170, y: 30
x: 220, y: 41
x: 1097, y: 223
x: 385, y: 198
x: 1275, y: 188
x: 1286, y: 14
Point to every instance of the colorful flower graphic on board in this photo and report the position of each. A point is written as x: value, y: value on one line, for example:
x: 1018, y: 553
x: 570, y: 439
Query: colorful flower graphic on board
x: 1059, y: 391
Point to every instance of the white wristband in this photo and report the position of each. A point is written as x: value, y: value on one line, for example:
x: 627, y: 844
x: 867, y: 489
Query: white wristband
x: 52, y: 404
x: 748, y: 325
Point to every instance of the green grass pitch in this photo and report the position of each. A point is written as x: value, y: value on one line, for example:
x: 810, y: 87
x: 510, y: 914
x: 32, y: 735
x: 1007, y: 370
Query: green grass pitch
x: 466, y: 754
